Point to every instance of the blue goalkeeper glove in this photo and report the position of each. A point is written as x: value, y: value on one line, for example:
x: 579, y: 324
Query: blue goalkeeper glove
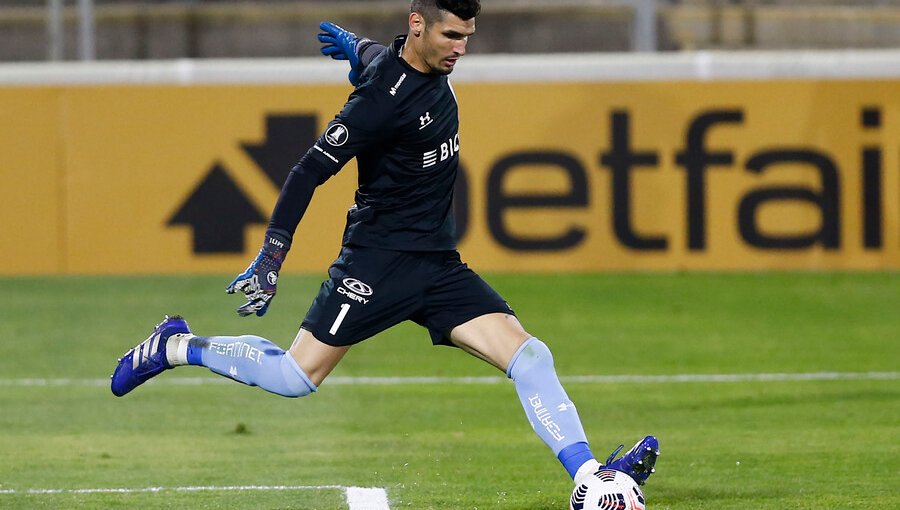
x: 341, y: 44
x: 259, y: 281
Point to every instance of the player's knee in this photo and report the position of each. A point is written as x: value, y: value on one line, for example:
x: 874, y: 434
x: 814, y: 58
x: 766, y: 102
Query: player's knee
x: 533, y: 354
x: 293, y: 383
x: 293, y: 392
x: 291, y: 389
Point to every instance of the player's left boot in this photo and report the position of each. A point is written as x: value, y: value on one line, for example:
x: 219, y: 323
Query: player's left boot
x: 148, y: 358
x: 639, y: 461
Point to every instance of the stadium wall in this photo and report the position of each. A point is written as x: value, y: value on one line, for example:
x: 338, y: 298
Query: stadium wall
x: 697, y: 161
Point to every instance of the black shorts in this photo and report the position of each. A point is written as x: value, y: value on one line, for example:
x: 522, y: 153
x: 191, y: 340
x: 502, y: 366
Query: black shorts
x: 369, y: 290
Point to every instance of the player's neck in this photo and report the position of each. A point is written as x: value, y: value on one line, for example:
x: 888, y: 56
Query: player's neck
x: 409, y: 55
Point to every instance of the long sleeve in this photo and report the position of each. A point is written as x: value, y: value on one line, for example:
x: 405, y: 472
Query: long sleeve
x: 296, y: 194
x: 360, y: 124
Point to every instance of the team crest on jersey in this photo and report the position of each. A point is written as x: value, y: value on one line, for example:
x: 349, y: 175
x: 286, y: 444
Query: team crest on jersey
x: 337, y: 135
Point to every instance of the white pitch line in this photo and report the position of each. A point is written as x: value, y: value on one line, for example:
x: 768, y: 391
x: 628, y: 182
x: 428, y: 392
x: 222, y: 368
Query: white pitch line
x: 728, y: 378
x: 584, y: 379
x: 365, y: 498
x: 231, y: 488
x: 358, y: 498
x: 614, y: 379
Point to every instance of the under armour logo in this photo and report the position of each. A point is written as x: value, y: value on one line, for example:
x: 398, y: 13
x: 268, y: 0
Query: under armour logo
x: 424, y: 120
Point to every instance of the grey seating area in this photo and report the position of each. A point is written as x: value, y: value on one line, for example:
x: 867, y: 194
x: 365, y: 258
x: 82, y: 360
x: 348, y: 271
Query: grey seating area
x: 166, y: 29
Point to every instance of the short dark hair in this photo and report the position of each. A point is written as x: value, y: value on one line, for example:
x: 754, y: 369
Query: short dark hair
x: 431, y: 9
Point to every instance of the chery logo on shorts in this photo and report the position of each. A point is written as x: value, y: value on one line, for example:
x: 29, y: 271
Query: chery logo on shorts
x: 357, y: 286
x: 357, y: 290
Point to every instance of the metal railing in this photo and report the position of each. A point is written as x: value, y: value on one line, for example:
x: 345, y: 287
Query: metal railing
x: 90, y: 29
x: 56, y: 30
x: 643, y: 38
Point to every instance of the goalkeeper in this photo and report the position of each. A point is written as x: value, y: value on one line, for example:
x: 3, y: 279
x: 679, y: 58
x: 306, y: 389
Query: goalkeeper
x: 398, y: 259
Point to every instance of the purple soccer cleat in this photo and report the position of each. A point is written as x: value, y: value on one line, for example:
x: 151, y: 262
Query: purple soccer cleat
x: 148, y: 358
x: 639, y: 461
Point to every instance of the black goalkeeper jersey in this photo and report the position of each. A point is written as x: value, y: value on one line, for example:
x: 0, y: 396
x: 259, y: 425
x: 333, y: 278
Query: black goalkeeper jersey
x: 403, y: 128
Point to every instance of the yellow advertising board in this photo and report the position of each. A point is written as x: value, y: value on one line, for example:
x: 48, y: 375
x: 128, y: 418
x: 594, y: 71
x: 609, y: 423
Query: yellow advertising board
x: 737, y: 175
x: 174, y: 179
x: 721, y: 175
x: 32, y: 223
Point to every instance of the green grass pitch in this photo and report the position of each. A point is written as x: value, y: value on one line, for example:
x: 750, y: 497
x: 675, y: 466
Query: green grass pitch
x: 745, y: 444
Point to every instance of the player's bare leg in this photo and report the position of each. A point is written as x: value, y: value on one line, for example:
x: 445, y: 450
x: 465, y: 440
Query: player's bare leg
x: 493, y: 337
x: 315, y: 357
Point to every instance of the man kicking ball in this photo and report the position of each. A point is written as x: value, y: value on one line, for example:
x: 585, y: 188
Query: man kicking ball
x: 398, y: 259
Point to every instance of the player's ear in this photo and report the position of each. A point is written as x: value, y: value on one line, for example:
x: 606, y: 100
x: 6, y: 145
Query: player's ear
x: 416, y: 24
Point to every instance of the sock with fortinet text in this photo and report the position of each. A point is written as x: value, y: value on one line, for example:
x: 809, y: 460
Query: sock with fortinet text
x: 552, y: 415
x: 249, y: 359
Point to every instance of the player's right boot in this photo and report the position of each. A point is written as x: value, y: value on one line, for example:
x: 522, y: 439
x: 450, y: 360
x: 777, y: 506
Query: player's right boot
x: 147, y: 358
x: 639, y: 461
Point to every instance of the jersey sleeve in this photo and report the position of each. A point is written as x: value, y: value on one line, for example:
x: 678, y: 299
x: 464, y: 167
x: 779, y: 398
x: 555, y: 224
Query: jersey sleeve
x: 365, y: 121
x: 367, y: 51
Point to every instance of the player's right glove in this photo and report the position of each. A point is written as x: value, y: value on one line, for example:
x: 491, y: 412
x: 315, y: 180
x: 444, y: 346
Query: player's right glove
x: 341, y: 44
x: 259, y: 281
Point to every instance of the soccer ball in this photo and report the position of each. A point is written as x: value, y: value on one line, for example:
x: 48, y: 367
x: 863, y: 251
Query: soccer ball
x: 607, y: 489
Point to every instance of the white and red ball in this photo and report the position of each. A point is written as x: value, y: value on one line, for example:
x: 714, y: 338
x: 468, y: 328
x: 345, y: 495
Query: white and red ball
x: 607, y: 489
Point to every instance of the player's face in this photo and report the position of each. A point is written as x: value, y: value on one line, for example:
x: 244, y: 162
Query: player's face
x: 441, y: 43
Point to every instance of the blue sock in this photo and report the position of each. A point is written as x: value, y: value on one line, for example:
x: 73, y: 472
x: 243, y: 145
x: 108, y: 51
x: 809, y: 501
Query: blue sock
x: 251, y: 360
x: 552, y: 415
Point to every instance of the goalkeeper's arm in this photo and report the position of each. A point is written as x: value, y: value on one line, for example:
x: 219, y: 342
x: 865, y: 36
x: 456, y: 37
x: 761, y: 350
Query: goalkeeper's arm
x: 296, y: 194
x: 259, y: 281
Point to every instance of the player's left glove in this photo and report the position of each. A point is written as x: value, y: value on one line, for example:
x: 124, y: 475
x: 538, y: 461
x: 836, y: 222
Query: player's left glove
x: 341, y: 44
x: 259, y: 281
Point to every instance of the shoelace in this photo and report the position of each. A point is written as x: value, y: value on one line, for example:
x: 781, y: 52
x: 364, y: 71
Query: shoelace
x: 612, y: 456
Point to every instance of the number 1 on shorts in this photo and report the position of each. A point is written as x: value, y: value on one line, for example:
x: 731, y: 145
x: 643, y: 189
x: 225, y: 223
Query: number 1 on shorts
x: 340, y: 318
